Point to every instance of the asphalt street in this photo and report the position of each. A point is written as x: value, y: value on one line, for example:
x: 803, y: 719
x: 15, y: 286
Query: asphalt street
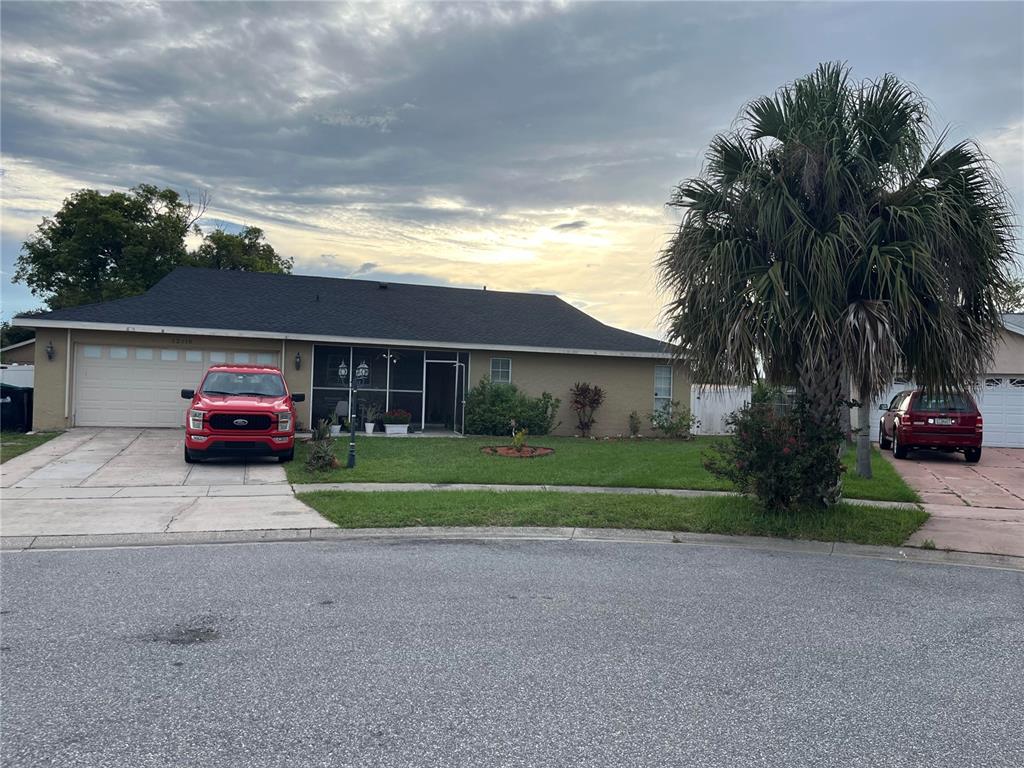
x: 505, y: 653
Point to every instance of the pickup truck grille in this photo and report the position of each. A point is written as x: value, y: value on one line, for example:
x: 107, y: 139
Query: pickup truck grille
x: 240, y: 421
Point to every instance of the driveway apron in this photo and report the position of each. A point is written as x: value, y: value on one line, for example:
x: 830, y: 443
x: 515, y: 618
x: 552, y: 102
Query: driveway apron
x: 973, y: 507
x: 94, y: 481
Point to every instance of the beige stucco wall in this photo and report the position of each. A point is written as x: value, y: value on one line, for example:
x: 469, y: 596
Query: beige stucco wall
x: 628, y: 384
x: 22, y: 355
x: 1009, y: 354
x: 50, y: 402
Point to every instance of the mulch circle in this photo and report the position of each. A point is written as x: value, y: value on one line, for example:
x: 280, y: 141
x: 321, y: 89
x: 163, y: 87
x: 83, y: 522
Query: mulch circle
x: 528, y: 452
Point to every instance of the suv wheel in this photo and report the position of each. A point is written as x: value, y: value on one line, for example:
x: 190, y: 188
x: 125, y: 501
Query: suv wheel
x: 898, y: 451
x: 884, y: 443
x: 972, y: 455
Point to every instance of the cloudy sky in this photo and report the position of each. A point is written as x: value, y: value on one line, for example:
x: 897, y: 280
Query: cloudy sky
x: 522, y: 147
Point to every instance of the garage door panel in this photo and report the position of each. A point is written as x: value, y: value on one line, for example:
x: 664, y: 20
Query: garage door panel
x: 141, y: 386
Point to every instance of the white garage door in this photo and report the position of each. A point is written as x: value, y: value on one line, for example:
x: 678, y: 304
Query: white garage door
x: 1000, y: 398
x: 141, y: 386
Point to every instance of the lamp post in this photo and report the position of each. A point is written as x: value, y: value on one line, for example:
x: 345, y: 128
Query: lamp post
x: 362, y: 373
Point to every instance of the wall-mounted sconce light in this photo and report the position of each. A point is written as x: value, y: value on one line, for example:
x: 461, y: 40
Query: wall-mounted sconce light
x: 298, y: 361
x: 50, y: 351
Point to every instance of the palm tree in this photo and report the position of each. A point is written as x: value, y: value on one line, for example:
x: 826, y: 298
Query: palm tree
x: 830, y: 235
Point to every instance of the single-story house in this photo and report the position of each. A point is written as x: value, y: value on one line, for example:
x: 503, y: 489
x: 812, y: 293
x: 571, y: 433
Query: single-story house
x: 22, y: 353
x: 124, y: 362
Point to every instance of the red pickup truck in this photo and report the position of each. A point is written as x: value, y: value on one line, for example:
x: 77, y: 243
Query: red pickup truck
x: 240, y: 410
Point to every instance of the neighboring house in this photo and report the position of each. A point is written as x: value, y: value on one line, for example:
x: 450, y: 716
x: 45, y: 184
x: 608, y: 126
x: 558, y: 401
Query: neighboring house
x: 1000, y: 394
x: 22, y: 353
x: 123, y: 362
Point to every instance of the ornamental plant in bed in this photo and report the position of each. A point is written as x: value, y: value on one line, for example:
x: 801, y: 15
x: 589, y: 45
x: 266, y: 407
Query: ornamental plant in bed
x: 778, y: 454
x: 491, y: 408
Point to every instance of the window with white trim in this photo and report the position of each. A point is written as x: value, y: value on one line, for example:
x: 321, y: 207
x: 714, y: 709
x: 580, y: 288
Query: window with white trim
x: 241, y: 357
x: 501, y: 370
x: 193, y: 356
x: 218, y: 357
x: 265, y: 358
x: 142, y: 353
x: 92, y: 351
x: 169, y: 355
x: 662, y: 387
x: 119, y: 353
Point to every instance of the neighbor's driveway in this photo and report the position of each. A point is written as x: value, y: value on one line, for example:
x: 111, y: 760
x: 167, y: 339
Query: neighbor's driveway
x: 973, y: 507
x: 97, y: 481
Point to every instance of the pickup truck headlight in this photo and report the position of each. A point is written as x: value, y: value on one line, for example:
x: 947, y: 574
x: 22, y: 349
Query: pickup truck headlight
x: 195, y: 419
x: 284, y: 421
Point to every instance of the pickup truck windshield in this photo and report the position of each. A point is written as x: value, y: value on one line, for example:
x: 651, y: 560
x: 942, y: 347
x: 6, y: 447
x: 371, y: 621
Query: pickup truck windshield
x: 254, y: 384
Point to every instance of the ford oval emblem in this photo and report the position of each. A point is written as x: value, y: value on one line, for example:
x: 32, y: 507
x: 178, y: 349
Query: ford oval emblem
x: 241, y: 422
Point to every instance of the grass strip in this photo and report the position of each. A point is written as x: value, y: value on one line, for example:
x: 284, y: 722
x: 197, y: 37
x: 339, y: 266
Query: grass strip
x: 722, y: 515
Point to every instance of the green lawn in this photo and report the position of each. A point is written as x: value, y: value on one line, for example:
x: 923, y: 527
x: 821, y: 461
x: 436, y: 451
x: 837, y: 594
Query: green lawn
x: 718, y: 514
x: 619, y: 463
x: 16, y: 443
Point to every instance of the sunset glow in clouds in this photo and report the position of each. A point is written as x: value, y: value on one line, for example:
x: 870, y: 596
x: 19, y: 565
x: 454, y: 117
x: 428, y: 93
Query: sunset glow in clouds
x: 522, y: 147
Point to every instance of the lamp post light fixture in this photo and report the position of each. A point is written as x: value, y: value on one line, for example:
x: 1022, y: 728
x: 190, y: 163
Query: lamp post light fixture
x: 343, y: 372
x: 50, y: 351
x: 298, y: 361
x: 362, y: 374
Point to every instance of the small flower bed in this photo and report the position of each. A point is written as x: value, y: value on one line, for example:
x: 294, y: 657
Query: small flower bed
x: 397, y: 416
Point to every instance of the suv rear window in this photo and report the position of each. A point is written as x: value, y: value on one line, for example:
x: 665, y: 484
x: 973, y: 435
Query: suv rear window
x: 953, y: 403
x: 256, y: 384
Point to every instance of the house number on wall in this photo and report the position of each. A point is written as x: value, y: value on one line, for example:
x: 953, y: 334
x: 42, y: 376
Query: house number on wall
x: 181, y: 340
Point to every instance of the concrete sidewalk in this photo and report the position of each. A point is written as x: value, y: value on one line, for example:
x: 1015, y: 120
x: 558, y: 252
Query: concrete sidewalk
x: 513, y: 488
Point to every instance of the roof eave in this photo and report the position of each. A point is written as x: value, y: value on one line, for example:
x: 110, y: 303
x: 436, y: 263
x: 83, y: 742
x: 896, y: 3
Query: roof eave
x: 184, y: 331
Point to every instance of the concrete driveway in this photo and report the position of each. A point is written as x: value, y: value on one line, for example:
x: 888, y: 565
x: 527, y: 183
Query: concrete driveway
x: 973, y: 507
x: 98, y: 481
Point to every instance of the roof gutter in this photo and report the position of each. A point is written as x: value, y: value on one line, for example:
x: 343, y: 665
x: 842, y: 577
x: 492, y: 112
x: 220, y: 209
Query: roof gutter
x: 349, y: 340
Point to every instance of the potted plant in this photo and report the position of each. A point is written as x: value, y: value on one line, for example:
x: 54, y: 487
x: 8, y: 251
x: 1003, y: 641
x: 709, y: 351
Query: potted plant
x: 370, y: 416
x: 396, y: 422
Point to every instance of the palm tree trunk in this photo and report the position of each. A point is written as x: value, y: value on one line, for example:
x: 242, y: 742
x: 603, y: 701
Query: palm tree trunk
x: 844, y: 409
x: 864, y: 436
x: 822, y: 384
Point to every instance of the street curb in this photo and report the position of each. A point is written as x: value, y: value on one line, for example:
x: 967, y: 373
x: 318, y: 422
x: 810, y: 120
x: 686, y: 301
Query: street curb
x: 526, y: 533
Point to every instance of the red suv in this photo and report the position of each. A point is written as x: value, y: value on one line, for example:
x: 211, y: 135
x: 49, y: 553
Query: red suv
x: 240, y: 410
x: 919, y: 419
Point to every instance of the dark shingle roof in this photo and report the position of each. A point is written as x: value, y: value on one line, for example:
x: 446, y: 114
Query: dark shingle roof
x: 300, y: 305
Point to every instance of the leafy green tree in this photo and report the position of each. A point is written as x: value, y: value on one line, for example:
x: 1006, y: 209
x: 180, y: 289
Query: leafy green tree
x: 1011, y: 299
x: 13, y: 334
x: 99, y: 246
x: 831, y: 235
x: 247, y: 251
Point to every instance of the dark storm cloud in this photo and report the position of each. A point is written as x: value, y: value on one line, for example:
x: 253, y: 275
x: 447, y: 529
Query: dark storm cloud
x: 578, y: 224
x: 280, y: 110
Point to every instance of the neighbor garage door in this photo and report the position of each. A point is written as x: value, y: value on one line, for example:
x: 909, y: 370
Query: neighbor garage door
x: 1001, y: 400
x: 118, y: 386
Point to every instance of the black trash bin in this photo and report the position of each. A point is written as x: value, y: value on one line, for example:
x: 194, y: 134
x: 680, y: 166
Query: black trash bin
x: 15, y: 408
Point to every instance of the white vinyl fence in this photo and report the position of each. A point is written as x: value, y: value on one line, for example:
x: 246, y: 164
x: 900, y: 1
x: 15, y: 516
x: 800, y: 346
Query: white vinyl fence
x: 17, y: 375
x: 712, y: 406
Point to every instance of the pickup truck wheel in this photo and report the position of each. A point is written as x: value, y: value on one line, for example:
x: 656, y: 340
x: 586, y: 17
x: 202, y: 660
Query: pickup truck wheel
x: 190, y: 457
x: 287, y: 456
x: 972, y: 455
x: 883, y: 442
x: 898, y: 451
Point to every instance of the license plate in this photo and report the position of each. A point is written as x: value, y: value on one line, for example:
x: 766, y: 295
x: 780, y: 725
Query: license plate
x: 945, y: 422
